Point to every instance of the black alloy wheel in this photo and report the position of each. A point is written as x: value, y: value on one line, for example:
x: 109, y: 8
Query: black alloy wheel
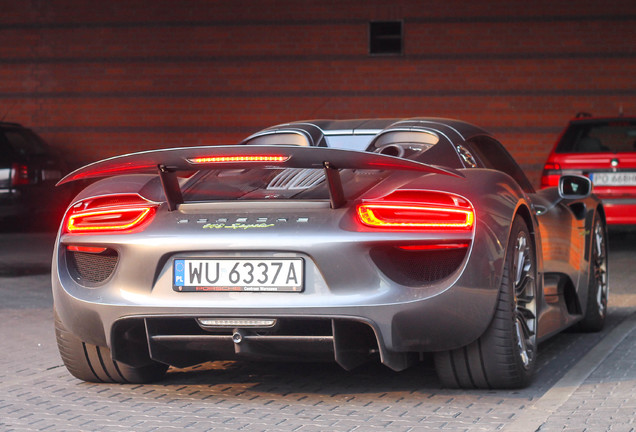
x: 505, y: 355
x: 525, y: 301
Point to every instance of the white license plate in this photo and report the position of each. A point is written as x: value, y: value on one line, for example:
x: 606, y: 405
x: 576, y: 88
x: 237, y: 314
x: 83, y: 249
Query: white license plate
x: 248, y: 275
x: 614, y: 179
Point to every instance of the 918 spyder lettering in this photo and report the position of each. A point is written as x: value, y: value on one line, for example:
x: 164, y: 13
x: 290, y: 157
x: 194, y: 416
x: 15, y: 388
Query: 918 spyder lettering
x: 236, y: 226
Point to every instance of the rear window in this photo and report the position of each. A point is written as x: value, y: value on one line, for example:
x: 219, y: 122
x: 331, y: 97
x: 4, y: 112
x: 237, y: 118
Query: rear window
x: 349, y: 142
x: 286, y: 138
x: 422, y: 146
x: 275, y: 183
x: 25, y: 143
x: 614, y: 136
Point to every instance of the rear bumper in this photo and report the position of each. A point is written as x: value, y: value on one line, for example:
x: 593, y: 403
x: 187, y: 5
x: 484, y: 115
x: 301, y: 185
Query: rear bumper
x: 346, y: 334
x: 620, y: 212
x: 359, y: 310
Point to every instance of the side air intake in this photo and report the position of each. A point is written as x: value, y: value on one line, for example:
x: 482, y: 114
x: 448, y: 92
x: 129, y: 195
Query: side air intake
x: 91, y: 269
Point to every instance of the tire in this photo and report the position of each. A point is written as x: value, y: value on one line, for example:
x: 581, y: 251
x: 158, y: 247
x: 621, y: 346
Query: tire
x: 504, y: 356
x: 93, y: 363
x: 598, y: 288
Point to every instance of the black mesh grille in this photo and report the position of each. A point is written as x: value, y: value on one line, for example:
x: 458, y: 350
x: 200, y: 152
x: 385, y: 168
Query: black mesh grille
x: 92, y: 268
x: 414, y: 268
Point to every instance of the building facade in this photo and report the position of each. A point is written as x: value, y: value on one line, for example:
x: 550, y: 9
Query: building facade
x: 97, y: 79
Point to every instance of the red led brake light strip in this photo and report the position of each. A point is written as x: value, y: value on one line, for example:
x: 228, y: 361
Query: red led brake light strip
x: 368, y: 217
x: 72, y: 227
x: 240, y: 158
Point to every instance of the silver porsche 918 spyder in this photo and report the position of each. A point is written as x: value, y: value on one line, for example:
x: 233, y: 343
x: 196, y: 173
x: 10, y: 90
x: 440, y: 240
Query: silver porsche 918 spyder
x: 336, y: 240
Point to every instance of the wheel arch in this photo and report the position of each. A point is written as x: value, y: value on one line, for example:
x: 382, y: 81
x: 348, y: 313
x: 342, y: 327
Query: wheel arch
x: 600, y: 210
x: 497, y: 359
x: 596, y: 211
x: 524, y: 211
x: 528, y: 216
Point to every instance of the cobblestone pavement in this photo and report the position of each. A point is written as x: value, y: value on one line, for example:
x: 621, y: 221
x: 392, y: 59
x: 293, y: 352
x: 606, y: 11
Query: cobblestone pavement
x: 606, y: 400
x: 37, y: 393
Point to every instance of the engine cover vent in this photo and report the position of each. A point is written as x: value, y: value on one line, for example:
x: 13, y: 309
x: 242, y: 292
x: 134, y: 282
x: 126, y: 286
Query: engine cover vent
x: 296, y: 179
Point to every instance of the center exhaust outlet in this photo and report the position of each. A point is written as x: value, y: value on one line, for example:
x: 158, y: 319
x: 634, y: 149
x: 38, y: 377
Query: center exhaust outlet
x: 237, y: 336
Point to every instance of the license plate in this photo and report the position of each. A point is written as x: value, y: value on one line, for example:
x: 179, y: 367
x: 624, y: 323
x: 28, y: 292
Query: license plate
x: 244, y: 275
x: 614, y: 179
x: 51, y: 174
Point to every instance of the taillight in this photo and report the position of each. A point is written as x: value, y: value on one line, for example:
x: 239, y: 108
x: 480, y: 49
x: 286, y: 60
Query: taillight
x: 418, y: 210
x: 112, y: 214
x: 19, y: 174
x: 551, y: 175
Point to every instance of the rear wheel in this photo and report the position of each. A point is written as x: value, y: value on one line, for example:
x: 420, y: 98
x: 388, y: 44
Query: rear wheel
x: 598, y: 288
x: 94, y: 363
x: 504, y: 356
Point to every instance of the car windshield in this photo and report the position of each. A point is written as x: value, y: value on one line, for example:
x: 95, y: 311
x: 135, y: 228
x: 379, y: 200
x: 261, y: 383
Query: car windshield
x: 613, y: 136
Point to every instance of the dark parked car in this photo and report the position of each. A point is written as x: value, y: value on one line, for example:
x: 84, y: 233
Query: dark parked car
x: 431, y: 241
x: 603, y: 149
x: 29, y: 169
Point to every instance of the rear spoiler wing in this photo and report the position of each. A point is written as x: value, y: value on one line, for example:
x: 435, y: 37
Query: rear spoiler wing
x: 166, y: 163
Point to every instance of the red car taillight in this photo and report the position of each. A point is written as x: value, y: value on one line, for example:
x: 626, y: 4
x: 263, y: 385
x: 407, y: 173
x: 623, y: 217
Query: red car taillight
x: 113, y: 214
x: 551, y: 175
x: 19, y: 174
x: 417, y: 210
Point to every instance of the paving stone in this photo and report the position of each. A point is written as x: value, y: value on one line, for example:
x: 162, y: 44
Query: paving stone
x: 37, y: 393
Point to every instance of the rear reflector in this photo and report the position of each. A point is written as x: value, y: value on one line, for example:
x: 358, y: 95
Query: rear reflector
x: 436, y: 246
x: 86, y: 249
x: 246, y: 158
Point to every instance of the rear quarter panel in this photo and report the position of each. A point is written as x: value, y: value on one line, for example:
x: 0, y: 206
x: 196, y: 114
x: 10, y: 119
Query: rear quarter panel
x: 497, y: 198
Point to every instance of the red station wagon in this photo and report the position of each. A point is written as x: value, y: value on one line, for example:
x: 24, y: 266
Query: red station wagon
x: 603, y: 149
